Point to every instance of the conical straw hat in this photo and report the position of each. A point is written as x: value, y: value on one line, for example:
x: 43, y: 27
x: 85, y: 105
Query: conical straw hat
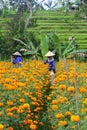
x: 16, y: 54
x: 49, y: 53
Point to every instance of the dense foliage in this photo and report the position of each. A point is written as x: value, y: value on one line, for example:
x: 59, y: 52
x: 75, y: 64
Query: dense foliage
x: 24, y: 20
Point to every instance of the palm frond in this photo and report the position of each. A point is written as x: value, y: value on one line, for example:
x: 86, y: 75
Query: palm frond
x: 23, y: 43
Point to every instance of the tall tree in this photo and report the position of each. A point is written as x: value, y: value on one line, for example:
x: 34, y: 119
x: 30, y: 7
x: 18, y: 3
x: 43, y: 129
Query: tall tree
x: 29, y: 6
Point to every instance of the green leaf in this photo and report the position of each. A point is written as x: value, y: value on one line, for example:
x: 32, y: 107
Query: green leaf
x: 22, y: 43
x: 55, y: 39
x: 68, y: 49
x: 33, y: 52
x: 80, y: 51
x: 44, y: 40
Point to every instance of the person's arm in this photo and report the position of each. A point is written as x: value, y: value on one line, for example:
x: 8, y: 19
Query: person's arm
x: 46, y: 61
x: 14, y: 61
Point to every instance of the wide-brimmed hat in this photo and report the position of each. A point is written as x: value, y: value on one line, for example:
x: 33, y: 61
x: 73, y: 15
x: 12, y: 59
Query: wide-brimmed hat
x: 49, y: 53
x: 16, y: 54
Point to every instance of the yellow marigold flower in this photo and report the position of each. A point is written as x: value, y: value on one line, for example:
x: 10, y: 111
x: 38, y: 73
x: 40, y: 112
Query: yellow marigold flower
x: 7, y: 80
x: 26, y: 105
x: 20, y: 111
x: 75, y: 118
x: 10, y: 103
x: 34, y: 98
x: 54, y: 107
x: 48, y: 98
x: 72, y: 127
x: 71, y: 89
x: 22, y: 100
x: 54, y: 102
x: 35, y: 122
x: 1, y: 127
x: 1, y: 104
x: 68, y: 113
x: 85, y: 101
x: 82, y: 90
x: 59, y: 115
x: 36, y: 116
x: 84, y: 110
x: 10, y: 128
x: 65, y: 123
x: 33, y: 127
x: 62, y: 87
x: 10, y: 114
x: 62, y: 123
x: 86, y: 117
x: 41, y: 123
x: 28, y: 121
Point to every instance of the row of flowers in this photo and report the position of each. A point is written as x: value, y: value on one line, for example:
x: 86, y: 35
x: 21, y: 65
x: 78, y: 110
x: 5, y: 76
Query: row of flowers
x: 29, y: 102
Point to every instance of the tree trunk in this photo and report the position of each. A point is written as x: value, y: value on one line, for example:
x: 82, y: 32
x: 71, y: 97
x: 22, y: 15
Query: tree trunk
x: 29, y: 6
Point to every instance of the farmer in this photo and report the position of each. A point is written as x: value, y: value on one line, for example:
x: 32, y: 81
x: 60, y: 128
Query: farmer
x: 16, y: 59
x: 51, y: 64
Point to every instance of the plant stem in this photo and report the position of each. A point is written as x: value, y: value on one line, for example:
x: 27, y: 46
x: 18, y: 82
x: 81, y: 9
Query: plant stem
x: 76, y: 90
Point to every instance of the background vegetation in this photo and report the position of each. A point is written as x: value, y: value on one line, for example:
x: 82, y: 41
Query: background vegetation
x: 27, y: 22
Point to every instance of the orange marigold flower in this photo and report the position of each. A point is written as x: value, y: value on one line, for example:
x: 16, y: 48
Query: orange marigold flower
x: 73, y: 127
x: 59, y: 115
x: 35, y: 122
x: 33, y: 127
x: 54, y: 107
x: 41, y: 123
x: 83, y: 89
x: 62, y: 123
x: 68, y: 113
x: 10, y: 103
x: 71, y: 89
x: 85, y: 101
x: 26, y: 105
x: 62, y: 87
x: 54, y: 102
x: 1, y: 104
x: 10, y: 128
x: 1, y: 127
x: 75, y: 118
x: 10, y: 114
x: 48, y: 98
x: 22, y: 100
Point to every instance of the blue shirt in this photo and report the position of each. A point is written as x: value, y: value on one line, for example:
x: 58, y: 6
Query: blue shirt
x: 17, y: 59
x: 51, y: 64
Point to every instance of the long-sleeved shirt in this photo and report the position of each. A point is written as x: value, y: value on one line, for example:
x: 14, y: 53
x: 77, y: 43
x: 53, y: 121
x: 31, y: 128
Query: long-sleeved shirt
x: 51, y: 64
x: 17, y: 59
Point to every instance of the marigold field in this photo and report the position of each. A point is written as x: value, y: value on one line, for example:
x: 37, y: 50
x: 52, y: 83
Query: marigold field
x: 29, y: 102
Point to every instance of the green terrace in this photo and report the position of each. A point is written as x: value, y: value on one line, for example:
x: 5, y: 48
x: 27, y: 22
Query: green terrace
x: 64, y: 25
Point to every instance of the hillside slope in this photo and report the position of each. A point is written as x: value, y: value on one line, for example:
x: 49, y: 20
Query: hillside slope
x: 64, y: 25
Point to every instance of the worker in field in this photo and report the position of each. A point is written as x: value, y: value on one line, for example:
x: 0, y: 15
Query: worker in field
x: 16, y: 59
x: 51, y: 63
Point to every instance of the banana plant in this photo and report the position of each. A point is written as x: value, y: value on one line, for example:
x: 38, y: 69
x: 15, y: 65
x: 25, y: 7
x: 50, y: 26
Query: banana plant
x: 44, y: 44
x: 31, y: 49
x: 57, y: 44
x: 38, y: 51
